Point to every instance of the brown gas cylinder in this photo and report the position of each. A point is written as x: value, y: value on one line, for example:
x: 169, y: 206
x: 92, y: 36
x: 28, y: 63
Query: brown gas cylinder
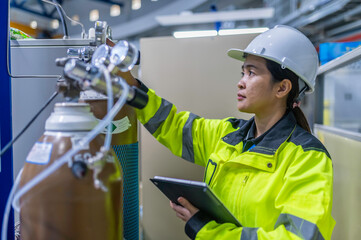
x: 125, y: 144
x: 66, y: 204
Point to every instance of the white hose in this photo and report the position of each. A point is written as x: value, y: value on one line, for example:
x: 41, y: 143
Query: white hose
x: 64, y: 159
x: 4, y: 230
x: 108, y: 136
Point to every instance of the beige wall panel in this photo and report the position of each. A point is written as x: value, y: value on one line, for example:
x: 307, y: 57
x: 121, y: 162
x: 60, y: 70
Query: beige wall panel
x: 346, y: 160
x: 198, y: 76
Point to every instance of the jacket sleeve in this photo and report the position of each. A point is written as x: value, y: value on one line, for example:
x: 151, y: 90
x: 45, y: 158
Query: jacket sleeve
x: 305, y: 204
x: 183, y: 133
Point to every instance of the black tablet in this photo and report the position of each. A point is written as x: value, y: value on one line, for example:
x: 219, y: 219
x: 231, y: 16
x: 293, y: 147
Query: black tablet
x: 197, y: 193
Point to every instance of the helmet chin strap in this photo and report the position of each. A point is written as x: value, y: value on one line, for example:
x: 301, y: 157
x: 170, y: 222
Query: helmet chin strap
x: 303, y: 90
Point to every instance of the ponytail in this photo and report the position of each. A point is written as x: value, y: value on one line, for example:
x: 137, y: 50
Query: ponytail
x: 301, y: 118
x: 278, y: 74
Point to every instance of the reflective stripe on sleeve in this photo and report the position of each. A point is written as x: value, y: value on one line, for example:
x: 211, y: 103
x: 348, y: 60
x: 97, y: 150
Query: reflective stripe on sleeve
x: 302, y: 228
x: 187, y: 147
x: 249, y: 233
x: 159, y: 117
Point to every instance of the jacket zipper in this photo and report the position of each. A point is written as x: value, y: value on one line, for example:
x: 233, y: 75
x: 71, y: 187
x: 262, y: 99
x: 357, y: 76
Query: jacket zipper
x: 240, y: 195
x: 245, y: 179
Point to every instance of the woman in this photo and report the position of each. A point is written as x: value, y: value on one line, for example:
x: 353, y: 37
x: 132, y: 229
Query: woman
x: 269, y: 171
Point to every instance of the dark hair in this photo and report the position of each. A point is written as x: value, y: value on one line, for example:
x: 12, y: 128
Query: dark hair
x: 278, y: 74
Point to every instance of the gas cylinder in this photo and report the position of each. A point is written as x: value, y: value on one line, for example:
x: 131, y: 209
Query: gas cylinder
x: 125, y: 144
x: 77, y: 201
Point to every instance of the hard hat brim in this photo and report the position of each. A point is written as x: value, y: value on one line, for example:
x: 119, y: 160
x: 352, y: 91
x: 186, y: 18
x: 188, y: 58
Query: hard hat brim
x: 236, y: 54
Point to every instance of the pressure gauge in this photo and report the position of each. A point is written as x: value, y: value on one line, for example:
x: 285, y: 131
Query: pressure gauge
x: 101, y: 55
x: 124, y: 55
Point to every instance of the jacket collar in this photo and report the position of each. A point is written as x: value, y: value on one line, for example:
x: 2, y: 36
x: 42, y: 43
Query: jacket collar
x: 271, y: 140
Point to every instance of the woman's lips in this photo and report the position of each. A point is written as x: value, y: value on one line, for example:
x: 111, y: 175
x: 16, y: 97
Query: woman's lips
x: 240, y: 97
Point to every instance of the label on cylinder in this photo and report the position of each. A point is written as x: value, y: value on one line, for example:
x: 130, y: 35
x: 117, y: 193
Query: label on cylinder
x: 91, y: 95
x: 40, y: 153
x: 118, y: 126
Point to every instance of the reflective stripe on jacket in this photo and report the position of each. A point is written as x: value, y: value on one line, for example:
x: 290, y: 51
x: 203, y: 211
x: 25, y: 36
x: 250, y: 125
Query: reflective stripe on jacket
x: 279, y: 189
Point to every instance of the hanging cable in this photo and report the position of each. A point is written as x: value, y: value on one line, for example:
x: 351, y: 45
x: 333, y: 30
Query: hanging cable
x: 63, y: 22
x: 29, y: 123
x: 83, y: 34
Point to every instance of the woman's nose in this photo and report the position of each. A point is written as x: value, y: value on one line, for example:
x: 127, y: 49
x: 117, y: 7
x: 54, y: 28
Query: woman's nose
x: 241, y: 84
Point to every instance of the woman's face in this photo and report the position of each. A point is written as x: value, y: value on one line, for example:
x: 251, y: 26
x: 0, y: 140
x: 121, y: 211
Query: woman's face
x: 256, y: 91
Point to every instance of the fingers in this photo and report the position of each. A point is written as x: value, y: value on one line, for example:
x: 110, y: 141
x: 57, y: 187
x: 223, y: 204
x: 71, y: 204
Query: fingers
x: 184, y: 212
x: 179, y: 215
x: 175, y: 206
x: 185, y: 203
x: 181, y: 212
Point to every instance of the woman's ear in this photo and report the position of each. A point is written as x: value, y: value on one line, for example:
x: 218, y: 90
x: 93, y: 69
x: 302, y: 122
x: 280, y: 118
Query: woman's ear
x: 283, y: 88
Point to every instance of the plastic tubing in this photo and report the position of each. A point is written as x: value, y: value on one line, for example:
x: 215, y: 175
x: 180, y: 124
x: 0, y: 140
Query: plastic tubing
x: 4, y: 230
x: 108, y: 136
x: 15, y: 197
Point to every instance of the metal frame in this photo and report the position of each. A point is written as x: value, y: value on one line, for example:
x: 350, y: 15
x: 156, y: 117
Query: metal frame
x: 333, y: 65
x: 353, y: 55
x: 321, y: 20
x: 339, y: 132
x: 314, y: 16
x: 6, y: 173
x: 345, y: 28
x: 337, y: 19
x: 111, y: 2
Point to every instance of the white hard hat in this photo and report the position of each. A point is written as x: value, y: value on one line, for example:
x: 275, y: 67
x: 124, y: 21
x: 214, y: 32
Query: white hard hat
x: 288, y: 47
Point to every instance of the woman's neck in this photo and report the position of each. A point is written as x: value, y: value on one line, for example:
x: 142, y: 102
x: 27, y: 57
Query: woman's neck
x: 265, y: 121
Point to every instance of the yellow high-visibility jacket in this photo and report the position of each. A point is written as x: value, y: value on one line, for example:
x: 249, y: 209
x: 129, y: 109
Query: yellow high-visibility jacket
x: 278, y: 187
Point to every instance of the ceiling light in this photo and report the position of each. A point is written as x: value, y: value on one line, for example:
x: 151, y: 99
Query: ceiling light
x: 136, y: 4
x: 55, y: 24
x: 115, y: 10
x: 34, y: 24
x: 191, y: 34
x: 94, y: 15
x: 75, y: 18
x: 224, y: 32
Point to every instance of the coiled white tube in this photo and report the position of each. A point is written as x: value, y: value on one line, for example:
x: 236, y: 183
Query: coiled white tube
x: 15, y: 197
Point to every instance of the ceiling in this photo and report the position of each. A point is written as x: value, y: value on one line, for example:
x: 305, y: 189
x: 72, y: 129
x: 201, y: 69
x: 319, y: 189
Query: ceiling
x: 321, y: 20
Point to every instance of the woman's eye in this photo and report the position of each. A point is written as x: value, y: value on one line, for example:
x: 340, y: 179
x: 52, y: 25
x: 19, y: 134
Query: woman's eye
x: 248, y: 73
